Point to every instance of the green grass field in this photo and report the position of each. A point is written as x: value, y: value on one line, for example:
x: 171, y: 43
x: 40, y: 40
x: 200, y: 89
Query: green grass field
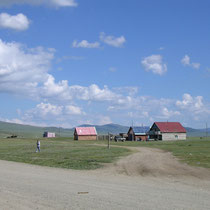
x: 62, y: 153
x: 67, y: 153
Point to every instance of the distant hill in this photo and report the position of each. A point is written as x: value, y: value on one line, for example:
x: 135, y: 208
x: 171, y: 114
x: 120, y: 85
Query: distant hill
x: 8, y: 129
x: 191, y: 132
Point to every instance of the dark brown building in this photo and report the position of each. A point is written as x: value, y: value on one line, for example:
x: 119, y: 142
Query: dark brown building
x: 138, y: 133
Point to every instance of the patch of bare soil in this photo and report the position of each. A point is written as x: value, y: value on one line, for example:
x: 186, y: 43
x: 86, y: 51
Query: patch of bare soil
x: 155, y: 163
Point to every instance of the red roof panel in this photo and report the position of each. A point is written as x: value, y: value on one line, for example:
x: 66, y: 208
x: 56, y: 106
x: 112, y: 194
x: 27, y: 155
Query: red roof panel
x: 170, y: 127
x: 86, y: 131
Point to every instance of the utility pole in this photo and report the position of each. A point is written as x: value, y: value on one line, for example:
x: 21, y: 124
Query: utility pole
x: 206, y: 131
x: 108, y: 140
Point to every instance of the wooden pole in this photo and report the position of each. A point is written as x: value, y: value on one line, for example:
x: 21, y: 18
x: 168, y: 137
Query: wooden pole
x: 206, y: 131
x: 108, y: 141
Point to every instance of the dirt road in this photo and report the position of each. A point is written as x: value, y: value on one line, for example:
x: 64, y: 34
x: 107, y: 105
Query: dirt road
x: 148, y: 179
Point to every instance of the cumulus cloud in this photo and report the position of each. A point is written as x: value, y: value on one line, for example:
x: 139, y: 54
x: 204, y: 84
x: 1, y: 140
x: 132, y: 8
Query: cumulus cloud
x: 64, y: 92
x: 154, y: 64
x: 51, y: 89
x: 85, y: 44
x: 25, y: 72
x: 104, y: 120
x: 166, y: 113
x: 22, y: 70
x: 73, y: 110
x: 49, y: 111
x: 93, y: 93
x: 15, y: 120
x: 131, y: 91
x: 17, y: 22
x: 112, y: 41
x: 186, y: 62
x: 190, y: 103
x: 55, y: 3
x: 193, y: 108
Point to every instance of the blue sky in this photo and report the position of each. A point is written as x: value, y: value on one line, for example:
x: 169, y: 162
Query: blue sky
x: 71, y: 62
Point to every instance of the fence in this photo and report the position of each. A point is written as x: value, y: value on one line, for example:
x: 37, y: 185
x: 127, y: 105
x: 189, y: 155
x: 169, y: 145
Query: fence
x: 103, y: 137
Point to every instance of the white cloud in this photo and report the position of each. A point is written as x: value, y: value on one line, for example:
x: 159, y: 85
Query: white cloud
x: 22, y: 70
x: 85, y: 44
x: 155, y: 64
x: 190, y: 103
x: 53, y: 90
x: 55, y: 3
x: 64, y: 3
x: 17, y: 22
x: 186, y: 62
x: 73, y: 110
x: 48, y: 109
x: 195, y: 65
x: 103, y: 120
x: 131, y: 91
x: 168, y: 113
x: 193, y: 108
x: 112, y: 41
x: 25, y: 72
x: 15, y: 120
x: 91, y: 93
x: 61, y: 91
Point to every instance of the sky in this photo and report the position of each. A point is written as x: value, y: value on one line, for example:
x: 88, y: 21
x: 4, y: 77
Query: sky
x: 130, y: 62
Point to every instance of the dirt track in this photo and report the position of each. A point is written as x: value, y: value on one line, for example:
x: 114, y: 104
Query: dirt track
x: 148, y: 179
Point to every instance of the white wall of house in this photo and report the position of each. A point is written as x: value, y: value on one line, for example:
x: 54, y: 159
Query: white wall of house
x: 173, y: 136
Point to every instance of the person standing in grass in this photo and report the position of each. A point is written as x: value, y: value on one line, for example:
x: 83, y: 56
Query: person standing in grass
x: 38, y: 146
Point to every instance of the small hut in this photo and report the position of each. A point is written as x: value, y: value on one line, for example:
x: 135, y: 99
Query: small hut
x: 85, y: 133
x: 138, y: 133
x: 48, y: 135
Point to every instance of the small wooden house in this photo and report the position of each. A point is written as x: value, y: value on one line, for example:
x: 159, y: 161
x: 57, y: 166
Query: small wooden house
x: 85, y: 133
x: 167, y: 131
x: 138, y: 133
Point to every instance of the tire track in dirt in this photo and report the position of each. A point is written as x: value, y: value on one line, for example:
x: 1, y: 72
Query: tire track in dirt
x: 154, y: 162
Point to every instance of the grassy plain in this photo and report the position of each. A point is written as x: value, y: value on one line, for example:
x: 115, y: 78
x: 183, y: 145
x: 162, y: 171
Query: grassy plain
x: 67, y: 153
x: 61, y: 153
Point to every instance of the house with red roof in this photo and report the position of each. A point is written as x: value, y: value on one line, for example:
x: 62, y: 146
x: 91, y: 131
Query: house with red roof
x: 167, y: 131
x: 85, y: 133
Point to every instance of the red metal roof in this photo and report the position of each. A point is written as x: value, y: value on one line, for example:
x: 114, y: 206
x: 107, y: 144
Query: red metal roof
x: 86, y: 131
x: 170, y: 127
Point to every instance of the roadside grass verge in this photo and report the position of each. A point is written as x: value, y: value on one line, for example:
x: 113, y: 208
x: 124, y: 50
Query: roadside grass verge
x: 60, y: 152
x: 194, y: 151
